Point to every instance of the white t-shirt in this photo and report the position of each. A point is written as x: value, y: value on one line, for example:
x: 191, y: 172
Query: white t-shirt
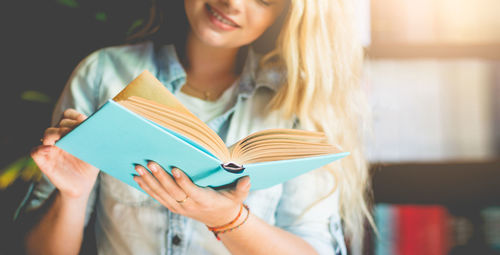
x: 209, y: 110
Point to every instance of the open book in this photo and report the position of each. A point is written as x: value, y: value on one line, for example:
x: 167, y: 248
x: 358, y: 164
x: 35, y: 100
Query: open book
x: 146, y: 122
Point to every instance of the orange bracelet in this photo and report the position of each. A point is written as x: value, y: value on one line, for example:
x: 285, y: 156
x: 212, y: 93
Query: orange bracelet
x: 217, y: 228
x: 216, y: 233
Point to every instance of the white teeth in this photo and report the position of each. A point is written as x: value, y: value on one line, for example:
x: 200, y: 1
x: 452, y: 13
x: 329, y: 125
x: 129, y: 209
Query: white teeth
x: 221, y: 19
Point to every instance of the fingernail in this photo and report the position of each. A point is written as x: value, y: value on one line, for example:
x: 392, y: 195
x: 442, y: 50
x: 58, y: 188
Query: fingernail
x: 140, y: 170
x: 153, y: 166
x: 176, y: 172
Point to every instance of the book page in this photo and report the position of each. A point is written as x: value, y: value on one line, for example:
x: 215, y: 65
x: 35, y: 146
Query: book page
x: 281, y: 144
x: 148, y: 87
x: 185, y: 124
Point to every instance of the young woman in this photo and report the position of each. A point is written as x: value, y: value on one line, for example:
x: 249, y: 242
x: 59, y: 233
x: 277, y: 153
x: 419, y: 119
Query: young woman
x: 241, y: 66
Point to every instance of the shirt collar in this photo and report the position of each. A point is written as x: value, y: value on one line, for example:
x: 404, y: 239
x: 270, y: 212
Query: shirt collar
x: 172, y: 73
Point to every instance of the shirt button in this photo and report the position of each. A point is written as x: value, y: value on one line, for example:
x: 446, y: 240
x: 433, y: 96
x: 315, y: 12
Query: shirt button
x: 176, y: 240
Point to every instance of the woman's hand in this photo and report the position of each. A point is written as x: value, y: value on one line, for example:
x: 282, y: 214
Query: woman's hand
x: 71, y: 176
x: 180, y: 195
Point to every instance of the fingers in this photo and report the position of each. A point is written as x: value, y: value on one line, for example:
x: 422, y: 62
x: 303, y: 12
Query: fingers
x: 69, y: 123
x: 166, y: 181
x: 71, y: 118
x: 51, y: 135
x: 151, y: 185
x: 169, y: 189
x: 140, y: 181
x: 173, y: 190
x: 74, y: 115
x: 191, y: 189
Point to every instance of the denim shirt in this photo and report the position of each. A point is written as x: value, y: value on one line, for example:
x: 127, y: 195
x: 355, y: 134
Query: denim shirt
x: 131, y: 222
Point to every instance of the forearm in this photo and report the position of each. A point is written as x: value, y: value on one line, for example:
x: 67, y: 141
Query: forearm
x: 258, y: 237
x: 60, y: 230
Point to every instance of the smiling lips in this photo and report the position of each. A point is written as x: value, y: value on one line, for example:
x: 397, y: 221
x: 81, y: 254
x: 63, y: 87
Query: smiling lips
x: 221, y: 18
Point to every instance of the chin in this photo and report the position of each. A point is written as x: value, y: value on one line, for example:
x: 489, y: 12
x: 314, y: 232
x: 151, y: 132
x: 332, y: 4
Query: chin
x: 217, y: 40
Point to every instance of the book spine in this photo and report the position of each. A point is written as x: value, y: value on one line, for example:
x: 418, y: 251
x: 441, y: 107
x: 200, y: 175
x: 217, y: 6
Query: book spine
x: 385, y: 219
x: 422, y: 230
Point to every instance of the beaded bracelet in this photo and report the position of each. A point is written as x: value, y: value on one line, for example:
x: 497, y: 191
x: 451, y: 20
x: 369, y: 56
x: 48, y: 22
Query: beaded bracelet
x: 217, y: 228
x: 217, y: 232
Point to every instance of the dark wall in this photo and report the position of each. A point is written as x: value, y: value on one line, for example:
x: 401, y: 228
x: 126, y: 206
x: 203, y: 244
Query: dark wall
x: 42, y: 43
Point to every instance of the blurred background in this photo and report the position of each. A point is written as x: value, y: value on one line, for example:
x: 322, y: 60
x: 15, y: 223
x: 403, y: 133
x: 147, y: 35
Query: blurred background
x: 432, y: 76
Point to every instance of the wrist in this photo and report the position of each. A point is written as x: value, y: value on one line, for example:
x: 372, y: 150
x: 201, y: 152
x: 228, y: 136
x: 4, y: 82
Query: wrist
x: 73, y: 201
x: 240, y: 219
x: 226, y: 217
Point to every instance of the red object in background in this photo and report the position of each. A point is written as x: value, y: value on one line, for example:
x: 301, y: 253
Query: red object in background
x: 422, y: 230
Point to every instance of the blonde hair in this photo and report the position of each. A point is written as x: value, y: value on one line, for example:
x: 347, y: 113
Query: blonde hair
x: 322, y: 54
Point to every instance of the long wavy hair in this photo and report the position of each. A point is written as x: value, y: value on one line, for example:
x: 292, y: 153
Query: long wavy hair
x: 315, y: 43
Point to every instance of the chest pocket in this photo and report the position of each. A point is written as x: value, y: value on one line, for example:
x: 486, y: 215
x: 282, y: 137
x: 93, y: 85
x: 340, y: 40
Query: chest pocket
x: 122, y: 193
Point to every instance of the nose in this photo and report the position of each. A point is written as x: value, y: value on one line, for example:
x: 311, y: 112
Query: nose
x: 232, y: 6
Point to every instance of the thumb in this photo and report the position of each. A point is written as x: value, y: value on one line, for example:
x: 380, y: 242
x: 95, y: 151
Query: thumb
x: 242, y: 188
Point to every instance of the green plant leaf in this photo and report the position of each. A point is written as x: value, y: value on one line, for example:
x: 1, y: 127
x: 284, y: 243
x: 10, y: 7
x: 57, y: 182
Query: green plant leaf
x: 31, y: 171
x: 9, y: 174
x: 135, y: 25
x: 24, y: 168
x: 69, y: 3
x: 35, y: 96
x: 101, y: 16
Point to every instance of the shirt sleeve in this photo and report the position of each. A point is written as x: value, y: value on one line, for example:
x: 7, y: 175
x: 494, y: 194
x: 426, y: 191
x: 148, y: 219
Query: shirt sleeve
x: 80, y: 93
x: 300, y: 213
